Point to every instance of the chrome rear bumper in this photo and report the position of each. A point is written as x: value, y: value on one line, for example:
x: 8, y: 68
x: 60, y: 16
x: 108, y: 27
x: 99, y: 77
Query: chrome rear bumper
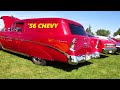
x: 74, y: 60
x: 109, y: 50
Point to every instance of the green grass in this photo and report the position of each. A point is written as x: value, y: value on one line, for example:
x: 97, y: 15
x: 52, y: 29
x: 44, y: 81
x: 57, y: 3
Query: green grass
x: 13, y: 66
x: 118, y: 38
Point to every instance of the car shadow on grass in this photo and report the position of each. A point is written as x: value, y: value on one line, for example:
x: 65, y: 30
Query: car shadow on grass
x: 59, y: 65
x: 116, y: 53
x: 67, y: 67
x: 18, y: 55
x: 107, y: 55
x: 103, y: 56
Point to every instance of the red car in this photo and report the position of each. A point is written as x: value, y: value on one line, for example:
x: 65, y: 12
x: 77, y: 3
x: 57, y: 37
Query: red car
x: 115, y: 40
x: 45, y: 39
x: 117, y: 44
x: 104, y: 45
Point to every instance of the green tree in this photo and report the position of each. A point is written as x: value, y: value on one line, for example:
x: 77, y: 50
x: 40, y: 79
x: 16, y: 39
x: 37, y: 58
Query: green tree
x: 117, y: 32
x: 103, y: 32
x: 89, y: 30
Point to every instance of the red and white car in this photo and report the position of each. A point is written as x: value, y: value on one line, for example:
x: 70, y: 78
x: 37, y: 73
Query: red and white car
x: 104, y: 45
x: 117, y: 43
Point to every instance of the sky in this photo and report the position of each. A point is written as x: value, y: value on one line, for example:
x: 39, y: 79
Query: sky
x: 108, y: 20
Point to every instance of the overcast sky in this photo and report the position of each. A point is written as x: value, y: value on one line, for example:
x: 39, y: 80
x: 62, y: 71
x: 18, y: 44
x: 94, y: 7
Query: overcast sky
x: 109, y: 20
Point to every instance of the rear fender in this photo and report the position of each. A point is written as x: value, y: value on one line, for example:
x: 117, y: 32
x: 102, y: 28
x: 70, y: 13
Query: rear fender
x: 8, y: 21
x: 38, y: 52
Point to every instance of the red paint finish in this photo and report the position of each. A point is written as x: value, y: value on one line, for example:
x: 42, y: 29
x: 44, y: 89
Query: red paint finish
x: 8, y: 21
x: 46, y: 38
x: 115, y: 40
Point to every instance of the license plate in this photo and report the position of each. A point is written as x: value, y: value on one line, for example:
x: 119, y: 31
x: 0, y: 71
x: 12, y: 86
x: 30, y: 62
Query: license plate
x: 110, y: 51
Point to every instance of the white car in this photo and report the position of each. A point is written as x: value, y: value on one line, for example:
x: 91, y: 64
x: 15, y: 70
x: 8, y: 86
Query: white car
x: 103, y: 37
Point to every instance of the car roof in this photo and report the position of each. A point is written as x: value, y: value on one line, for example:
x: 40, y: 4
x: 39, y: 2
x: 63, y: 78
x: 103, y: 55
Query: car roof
x: 52, y: 19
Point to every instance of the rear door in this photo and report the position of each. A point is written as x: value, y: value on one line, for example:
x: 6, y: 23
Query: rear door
x: 16, y: 36
x: 12, y: 37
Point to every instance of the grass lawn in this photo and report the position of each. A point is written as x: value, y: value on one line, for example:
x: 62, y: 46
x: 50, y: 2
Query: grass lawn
x: 13, y: 66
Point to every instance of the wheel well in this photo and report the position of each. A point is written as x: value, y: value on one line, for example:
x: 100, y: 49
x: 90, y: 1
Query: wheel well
x: 38, y: 52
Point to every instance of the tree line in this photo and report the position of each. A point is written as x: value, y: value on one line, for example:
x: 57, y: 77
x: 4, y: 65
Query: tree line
x: 102, y: 32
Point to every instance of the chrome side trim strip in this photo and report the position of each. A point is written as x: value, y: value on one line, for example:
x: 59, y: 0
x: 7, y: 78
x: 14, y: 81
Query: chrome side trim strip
x: 42, y: 44
x: 49, y: 47
x: 15, y: 52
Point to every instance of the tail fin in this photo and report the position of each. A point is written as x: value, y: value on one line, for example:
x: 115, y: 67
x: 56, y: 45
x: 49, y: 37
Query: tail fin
x: 8, y: 21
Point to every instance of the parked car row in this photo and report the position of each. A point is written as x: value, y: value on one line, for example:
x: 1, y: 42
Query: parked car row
x: 105, y: 45
x: 110, y: 41
x: 113, y: 40
x: 53, y: 39
x: 117, y: 43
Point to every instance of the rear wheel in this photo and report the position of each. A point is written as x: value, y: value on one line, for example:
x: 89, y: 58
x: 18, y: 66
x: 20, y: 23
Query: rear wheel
x: 38, y: 61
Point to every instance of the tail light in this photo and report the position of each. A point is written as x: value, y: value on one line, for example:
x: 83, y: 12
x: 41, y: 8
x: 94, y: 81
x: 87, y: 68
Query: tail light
x: 73, y: 44
x: 100, y: 44
x: 96, y: 46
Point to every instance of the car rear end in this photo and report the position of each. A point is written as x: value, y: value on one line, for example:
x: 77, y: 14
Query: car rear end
x: 117, y: 44
x: 80, y: 48
x: 107, y: 46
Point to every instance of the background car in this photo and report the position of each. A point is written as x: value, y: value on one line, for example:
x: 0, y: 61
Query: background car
x: 117, y: 44
x: 105, y: 45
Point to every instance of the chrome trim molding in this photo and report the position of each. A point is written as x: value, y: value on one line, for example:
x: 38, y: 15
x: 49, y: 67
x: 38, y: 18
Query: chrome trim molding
x: 42, y: 44
x: 15, y: 52
x: 51, y: 47
x: 74, y: 60
x: 95, y: 55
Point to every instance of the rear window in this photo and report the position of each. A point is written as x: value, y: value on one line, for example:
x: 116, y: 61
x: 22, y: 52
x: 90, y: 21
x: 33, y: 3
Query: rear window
x: 77, y: 30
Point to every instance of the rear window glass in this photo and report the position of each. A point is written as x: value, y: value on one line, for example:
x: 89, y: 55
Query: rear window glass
x: 77, y: 30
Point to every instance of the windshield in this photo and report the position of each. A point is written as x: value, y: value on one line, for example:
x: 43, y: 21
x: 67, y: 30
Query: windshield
x: 77, y: 30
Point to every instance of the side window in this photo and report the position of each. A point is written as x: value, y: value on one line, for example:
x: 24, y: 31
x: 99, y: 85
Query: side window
x: 18, y: 27
x: 77, y: 30
x: 12, y: 27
